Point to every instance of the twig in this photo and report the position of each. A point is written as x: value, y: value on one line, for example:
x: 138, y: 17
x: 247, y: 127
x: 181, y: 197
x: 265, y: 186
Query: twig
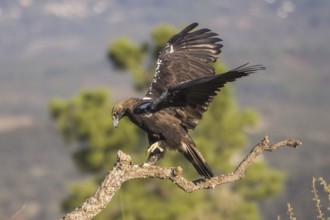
x: 292, y: 216
x: 317, y: 200
x: 123, y: 171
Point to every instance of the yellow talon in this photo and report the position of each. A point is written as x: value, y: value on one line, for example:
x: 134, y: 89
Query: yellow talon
x: 153, y: 147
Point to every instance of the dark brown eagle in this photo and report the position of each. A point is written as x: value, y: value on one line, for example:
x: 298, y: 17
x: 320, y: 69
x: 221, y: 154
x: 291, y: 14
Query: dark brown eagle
x: 182, y: 88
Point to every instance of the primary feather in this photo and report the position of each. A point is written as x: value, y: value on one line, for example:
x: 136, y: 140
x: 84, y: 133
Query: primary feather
x: 186, y: 56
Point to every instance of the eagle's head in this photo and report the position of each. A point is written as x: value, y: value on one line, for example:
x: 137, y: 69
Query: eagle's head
x: 118, y: 111
x: 124, y: 108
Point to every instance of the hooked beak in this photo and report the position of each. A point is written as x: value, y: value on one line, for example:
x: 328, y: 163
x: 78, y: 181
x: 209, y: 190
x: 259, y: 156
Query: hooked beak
x: 115, y: 122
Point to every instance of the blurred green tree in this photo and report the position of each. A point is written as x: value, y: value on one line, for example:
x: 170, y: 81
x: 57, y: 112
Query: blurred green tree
x: 85, y: 121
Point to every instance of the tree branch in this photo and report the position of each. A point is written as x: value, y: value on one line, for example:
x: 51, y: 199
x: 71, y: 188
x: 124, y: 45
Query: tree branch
x: 123, y: 171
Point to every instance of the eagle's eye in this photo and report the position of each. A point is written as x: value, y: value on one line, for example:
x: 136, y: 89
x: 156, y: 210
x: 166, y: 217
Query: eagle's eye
x: 117, y: 113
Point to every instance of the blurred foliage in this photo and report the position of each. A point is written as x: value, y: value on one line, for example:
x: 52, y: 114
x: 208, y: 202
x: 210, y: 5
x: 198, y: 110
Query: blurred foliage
x: 85, y: 121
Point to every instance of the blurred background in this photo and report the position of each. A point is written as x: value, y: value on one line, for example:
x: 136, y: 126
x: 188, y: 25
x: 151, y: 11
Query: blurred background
x: 54, y: 49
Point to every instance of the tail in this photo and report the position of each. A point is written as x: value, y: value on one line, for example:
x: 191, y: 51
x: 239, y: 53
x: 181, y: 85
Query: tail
x: 195, y: 157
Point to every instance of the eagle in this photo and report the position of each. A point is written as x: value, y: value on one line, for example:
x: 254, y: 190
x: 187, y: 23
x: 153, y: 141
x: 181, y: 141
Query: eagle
x: 183, y: 86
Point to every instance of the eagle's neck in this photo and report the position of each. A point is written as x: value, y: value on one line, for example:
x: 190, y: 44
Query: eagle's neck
x: 129, y: 105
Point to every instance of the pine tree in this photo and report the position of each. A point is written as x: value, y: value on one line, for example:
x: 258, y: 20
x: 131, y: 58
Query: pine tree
x: 85, y: 120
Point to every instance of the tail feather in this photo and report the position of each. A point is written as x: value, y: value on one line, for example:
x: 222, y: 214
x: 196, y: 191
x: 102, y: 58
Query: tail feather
x: 196, y: 158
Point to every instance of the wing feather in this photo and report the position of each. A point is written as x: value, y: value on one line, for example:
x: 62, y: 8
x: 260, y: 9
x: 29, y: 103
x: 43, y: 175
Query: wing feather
x: 184, y: 82
x: 190, y: 99
x: 186, y: 56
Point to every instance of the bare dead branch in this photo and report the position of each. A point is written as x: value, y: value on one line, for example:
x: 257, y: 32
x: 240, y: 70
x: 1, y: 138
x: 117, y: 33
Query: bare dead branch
x: 123, y: 171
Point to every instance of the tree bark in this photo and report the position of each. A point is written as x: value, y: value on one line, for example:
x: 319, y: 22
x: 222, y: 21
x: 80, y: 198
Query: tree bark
x: 123, y: 171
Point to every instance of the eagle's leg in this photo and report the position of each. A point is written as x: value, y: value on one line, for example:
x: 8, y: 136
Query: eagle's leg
x: 156, y: 152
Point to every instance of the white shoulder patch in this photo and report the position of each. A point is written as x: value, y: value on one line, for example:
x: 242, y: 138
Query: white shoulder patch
x: 171, y: 49
x: 156, y: 76
x: 148, y: 115
x: 146, y: 98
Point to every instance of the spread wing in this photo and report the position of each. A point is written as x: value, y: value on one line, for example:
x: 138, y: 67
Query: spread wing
x: 192, y: 98
x: 186, y: 56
